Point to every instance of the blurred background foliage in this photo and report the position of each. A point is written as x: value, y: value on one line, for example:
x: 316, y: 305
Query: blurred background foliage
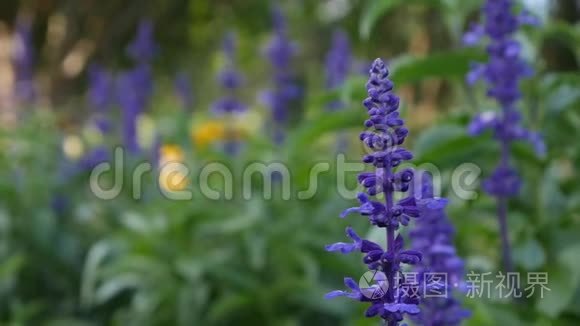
x: 69, y: 258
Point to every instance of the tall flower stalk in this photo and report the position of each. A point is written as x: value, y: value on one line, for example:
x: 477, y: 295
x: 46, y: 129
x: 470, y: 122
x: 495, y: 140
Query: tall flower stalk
x: 100, y: 96
x: 383, y: 138
x: 143, y: 48
x: 338, y: 65
x: 230, y: 80
x: 503, y: 74
x: 23, y: 62
x: 280, y: 52
x: 433, y: 236
x: 135, y: 87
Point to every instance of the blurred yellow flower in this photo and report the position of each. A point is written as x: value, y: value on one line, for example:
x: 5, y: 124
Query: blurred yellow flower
x: 215, y: 130
x: 170, y: 153
x: 172, y: 177
x: 207, y: 133
x: 73, y: 147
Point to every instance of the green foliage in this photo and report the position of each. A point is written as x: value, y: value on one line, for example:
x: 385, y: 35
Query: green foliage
x: 260, y: 261
x: 375, y: 10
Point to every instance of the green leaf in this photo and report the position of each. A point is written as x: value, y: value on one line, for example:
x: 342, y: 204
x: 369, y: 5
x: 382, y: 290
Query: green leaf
x: 451, y: 64
x: 67, y: 322
x: 243, y: 221
x: 11, y: 266
x: 443, y: 143
x: 436, y: 136
x: 562, y: 288
x: 96, y: 256
x: 504, y: 316
x: 114, y: 286
x: 569, y: 257
x: 563, y: 281
x: 562, y: 98
x: 189, y: 268
x: 566, y: 33
x: 486, y: 313
x: 376, y: 9
x: 228, y: 305
x: 325, y: 123
x: 552, y: 201
x: 191, y: 299
x: 530, y: 255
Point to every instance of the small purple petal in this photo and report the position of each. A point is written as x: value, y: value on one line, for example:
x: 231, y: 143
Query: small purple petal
x: 474, y: 35
x: 334, y: 294
x: 344, y: 248
x: 482, y: 122
x: 350, y: 283
x: 411, y: 309
x: 349, y: 211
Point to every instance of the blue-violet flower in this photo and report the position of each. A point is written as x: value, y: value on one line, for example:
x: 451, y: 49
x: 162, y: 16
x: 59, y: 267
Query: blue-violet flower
x: 134, y: 90
x: 23, y: 61
x: 338, y: 65
x: 441, y: 267
x: 383, y: 139
x: 100, y: 96
x: 503, y: 73
x: 230, y: 80
x: 285, y: 91
x: 143, y: 48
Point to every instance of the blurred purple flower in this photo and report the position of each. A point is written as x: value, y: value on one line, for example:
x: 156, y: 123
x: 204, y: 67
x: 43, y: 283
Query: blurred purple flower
x: 386, y: 134
x: 503, y: 73
x: 23, y: 61
x: 100, y: 96
x: 280, y: 52
x: 184, y: 90
x: 433, y: 236
x: 100, y: 88
x: 93, y: 158
x: 143, y: 48
x: 134, y: 88
x: 230, y: 80
x: 338, y: 65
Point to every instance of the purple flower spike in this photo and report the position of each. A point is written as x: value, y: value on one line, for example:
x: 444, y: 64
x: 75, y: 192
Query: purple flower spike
x: 385, y: 134
x: 230, y: 80
x: 100, y: 88
x: 100, y: 96
x: 338, y: 64
x: 280, y: 51
x: 503, y: 73
x: 143, y: 48
x: 134, y: 90
x: 23, y: 61
x: 433, y: 236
